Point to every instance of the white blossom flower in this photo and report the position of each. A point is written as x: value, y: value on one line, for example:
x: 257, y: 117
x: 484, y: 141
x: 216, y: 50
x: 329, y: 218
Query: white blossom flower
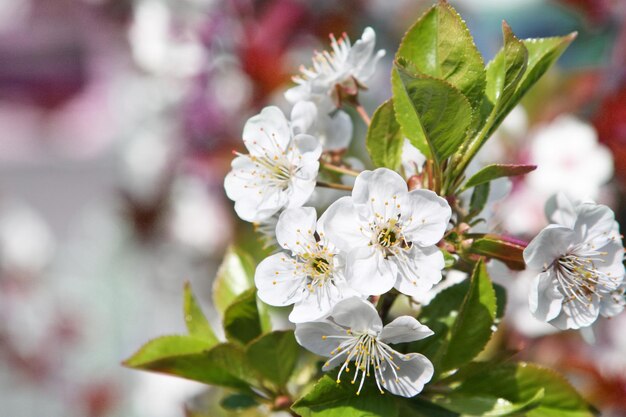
x: 389, y: 234
x: 308, y: 274
x: 354, y: 333
x: 580, y: 257
x: 279, y: 172
x: 569, y: 159
x: 333, y: 131
x: 343, y: 70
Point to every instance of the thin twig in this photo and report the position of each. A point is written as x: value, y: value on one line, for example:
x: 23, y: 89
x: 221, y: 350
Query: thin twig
x: 335, y: 186
x: 339, y: 169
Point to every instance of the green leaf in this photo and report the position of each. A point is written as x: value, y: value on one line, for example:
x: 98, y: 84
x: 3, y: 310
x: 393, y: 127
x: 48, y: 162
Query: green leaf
x: 501, y: 296
x: 488, y: 406
x: 197, y: 324
x: 504, y: 73
x: 462, y: 318
x: 191, y: 358
x: 384, y: 138
x: 480, y: 195
x: 241, y: 319
x: 522, y: 383
x: 437, y: 112
x: 492, y: 172
x: 440, y: 45
x: 473, y: 327
x: 234, y: 276
x: 238, y: 402
x: 164, y: 347
x: 330, y: 399
x: 419, y: 407
x: 274, y: 355
x: 505, y: 249
x: 516, y: 69
x: 410, y: 126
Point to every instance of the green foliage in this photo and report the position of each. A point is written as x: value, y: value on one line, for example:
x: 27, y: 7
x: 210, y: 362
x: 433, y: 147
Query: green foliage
x: 440, y: 46
x: 274, y: 355
x: 509, y: 251
x: 197, y: 324
x: 438, y: 110
x: 234, y: 276
x: 331, y: 399
x: 238, y: 402
x: 510, y: 75
x: 384, y: 138
x: 184, y: 356
x: 479, y: 199
x: 492, y: 172
x: 462, y: 318
x: 515, y: 387
x: 241, y: 319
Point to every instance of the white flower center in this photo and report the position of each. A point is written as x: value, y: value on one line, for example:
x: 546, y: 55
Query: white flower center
x: 368, y: 354
x: 578, y: 276
x: 276, y: 171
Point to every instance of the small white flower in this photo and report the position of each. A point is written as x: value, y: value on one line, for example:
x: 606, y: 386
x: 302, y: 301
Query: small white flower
x: 569, y: 159
x: 279, y: 172
x: 309, y: 274
x: 355, y: 333
x: 333, y: 131
x: 581, y: 259
x: 389, y: 234
x: 347, y: 68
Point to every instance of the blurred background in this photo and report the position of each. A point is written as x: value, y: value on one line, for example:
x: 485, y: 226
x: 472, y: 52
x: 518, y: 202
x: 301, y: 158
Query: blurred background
x: 117, y: 123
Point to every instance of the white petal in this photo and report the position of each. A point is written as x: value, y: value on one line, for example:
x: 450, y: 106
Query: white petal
x: 338, y: 131
x: 309, y: 147
x: 267, y: 133
x: 310, y: 336
x: 381, y: 185
x: 420, y: 271
x: 342, y: 225
x: 594, y: 223
x: 545, y: 299
x: 295, y: 229
x: 312, y: 307
x: 415, y: 371
x: 237, y: 183
x: 550, y: 244
x: 276, y: 282
x: 425, y: 216
x: 612, y: 264
x: 613, y: 302
x: 575, y: 314
x: 303, y: 116
x: 357, y: 314
x: 272, y: 200
x: 298, y: 93
x: 404, y: 329
x: 369, y: 273
x: 560, y: 210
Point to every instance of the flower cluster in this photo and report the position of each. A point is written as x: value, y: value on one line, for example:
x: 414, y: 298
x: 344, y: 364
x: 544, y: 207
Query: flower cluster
x: 389, y: 236
x: 381, y: 237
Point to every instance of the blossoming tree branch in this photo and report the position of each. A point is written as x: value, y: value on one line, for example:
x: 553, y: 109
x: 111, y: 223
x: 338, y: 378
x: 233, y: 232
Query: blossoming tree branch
x: 349, y: 273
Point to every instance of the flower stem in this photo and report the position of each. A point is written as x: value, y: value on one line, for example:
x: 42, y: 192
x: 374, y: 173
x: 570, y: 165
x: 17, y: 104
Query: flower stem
x: 339, y: 169
x: 334, y: 186
x: 361, y: 110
